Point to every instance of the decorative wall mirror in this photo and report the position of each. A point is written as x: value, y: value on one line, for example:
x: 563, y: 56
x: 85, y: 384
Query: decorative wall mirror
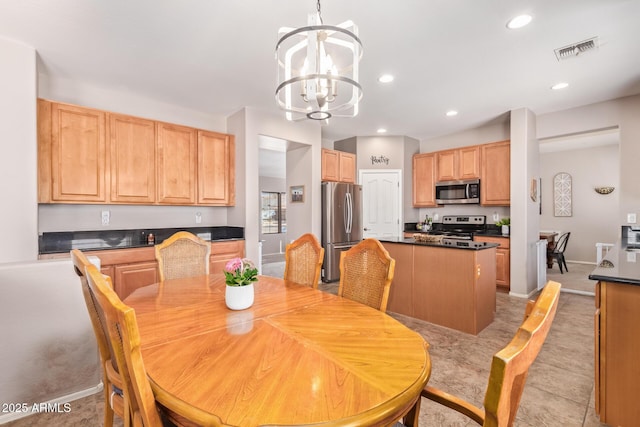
x: 562, y: 194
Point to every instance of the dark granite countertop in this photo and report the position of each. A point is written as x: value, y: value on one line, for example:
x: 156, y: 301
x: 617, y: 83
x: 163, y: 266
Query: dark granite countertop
x: 447, y: 243
x: 59, y: 242
x: 620, y: 265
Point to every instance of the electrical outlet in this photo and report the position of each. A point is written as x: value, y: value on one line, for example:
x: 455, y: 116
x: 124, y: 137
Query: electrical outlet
x: 106, y: 217
x: 631, y: 257
x: 198, y: 217
x: 631, y: 218
x: 496, y: 217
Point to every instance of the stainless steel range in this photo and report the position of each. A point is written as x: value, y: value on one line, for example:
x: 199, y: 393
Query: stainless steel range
x: 460, y: 227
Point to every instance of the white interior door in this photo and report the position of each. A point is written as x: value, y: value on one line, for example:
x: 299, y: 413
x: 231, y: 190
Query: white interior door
x: 381, y: 203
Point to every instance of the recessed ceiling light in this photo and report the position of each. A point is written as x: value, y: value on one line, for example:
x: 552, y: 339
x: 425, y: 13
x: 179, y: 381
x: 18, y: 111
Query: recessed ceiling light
x: 519, y: 21
x: 385, y: 78
x: 452, y: 113
x: 559, y: 86
x: 382, y: 130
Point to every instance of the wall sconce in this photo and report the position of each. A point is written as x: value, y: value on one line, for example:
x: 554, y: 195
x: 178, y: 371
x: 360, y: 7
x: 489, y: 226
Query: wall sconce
x: 604, y: 190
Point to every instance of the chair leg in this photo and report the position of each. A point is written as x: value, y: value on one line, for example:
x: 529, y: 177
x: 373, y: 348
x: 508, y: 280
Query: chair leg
x: 559, y: 261
x: 564, y: 261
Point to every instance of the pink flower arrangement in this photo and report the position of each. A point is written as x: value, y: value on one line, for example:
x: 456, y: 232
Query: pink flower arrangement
x: 240, y: 272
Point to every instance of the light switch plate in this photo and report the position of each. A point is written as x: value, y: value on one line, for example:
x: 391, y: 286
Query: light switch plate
x: 631, y: 218
x: 631, y: 257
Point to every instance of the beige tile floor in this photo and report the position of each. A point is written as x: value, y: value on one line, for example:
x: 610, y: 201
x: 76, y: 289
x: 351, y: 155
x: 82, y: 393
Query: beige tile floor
x: 559, y: 391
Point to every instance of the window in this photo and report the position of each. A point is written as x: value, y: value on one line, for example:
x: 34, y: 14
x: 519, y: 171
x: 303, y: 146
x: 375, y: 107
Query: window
x: 273, y: 209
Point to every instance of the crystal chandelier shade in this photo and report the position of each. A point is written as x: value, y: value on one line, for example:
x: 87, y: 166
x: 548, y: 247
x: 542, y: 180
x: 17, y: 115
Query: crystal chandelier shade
x: 318, y: 70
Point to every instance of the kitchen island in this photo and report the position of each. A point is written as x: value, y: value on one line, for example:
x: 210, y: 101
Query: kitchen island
x: 449, y: 283
x: 617, y: 342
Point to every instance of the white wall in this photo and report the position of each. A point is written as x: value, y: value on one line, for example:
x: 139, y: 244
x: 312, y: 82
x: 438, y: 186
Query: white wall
x: 49, y: 350
x: 247, y: 125
x: 623, y: 113
x: 493, y: 132
x: 18, y: 142
x: 525, y: 223
x: 594, y: 216
x: 299, y: 164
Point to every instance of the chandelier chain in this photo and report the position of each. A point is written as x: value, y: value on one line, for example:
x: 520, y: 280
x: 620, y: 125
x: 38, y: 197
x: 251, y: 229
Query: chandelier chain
x: 319, y: 12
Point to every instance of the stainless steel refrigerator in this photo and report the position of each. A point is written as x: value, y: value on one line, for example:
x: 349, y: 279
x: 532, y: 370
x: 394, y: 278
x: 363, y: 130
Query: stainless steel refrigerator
x: 341, y: 224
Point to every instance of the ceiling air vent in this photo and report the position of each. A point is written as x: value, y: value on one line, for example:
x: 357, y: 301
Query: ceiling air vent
x: 576, y: 49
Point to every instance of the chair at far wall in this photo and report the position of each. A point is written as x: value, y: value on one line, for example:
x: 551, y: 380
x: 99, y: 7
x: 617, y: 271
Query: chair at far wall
x: 303, y: 261
x: 558, y: 251
x: 366, y: 272
x: 146, y: 409
x: 510, y: 366
x: 182, y: 255
x: 113, y: 398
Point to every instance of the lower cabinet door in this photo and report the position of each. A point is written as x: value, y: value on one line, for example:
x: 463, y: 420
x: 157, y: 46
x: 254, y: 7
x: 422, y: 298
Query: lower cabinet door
x: 130, y: 277
x: 221, y: 252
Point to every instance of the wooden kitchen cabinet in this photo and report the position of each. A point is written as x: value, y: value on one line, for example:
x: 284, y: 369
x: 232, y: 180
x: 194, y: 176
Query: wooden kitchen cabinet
x: 221, y: 252
x: 457, y: 164
x: 72, y: 154
x: 424, y: 173
x: 97, y: 157
x: 503, y: 259
x: 216, y: 169
x: 617, y: 343
x: 177, y: 163
x: 133, y: 268
x: 450, y: 287
x: 130, y: 277
x: 495, y: 174
x: 133, y: 152
x: 338, y: 166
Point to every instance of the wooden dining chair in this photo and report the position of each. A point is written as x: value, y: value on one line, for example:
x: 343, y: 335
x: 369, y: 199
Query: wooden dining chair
x: 303, y: 260
x: 145, y: 408
x: 182, y: 255
x: 509, y: 367
x: 113, y: 398
x: 366, y: 272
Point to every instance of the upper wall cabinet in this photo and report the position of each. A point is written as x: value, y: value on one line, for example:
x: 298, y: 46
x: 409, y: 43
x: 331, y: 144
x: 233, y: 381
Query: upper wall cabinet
x: 338, y: 166
x: 177, y: 164
x: 495, y: 179
x: 92, y: 156
x: 133, y: 152
x: 216, y: 169
x: 461, y: 163
x: 424, y: 173
x: 72, y: 156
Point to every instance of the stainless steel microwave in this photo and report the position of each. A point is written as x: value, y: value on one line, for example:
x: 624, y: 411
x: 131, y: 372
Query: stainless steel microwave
x: 458, y: 192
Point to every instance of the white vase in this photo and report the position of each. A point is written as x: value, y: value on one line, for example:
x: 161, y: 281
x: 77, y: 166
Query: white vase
x: 505, y: 230
x: 239, y: 297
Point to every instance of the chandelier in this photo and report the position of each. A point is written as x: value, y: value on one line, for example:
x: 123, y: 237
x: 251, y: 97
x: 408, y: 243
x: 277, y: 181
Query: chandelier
x: 318, y: 70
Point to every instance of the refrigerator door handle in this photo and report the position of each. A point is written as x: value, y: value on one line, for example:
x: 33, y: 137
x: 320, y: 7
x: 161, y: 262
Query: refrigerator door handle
x: 343, y: 246
x: 345, y: 213
x: 349, y: 206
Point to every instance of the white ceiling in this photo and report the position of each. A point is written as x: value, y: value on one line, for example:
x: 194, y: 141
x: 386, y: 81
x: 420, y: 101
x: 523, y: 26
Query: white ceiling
x: 217, y: 56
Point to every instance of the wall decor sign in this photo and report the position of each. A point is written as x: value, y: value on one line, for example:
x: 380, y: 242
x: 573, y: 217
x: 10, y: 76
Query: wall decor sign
x: 297, y: 193
x: 379, y: 160
x: 562, y: 194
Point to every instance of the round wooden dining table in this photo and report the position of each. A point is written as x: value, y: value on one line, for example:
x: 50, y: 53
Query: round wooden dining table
x: 298, y: 356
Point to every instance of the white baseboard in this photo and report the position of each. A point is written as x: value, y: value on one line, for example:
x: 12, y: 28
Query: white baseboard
x: 5, y: 418
x: 577, y: 292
